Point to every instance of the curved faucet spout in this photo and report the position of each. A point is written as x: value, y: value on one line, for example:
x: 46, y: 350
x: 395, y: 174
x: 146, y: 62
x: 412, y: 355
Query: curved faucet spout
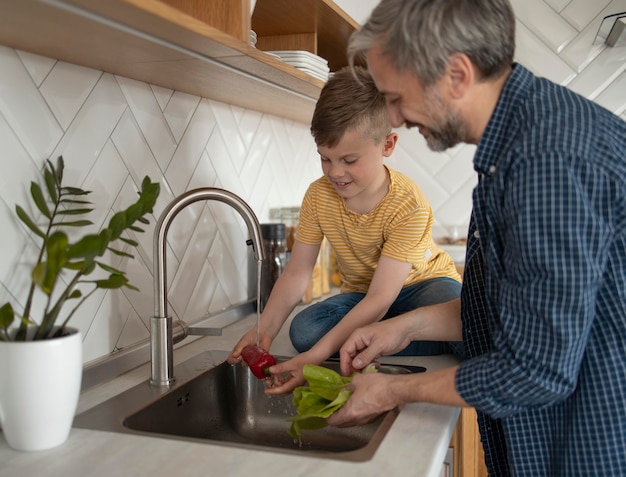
x: 161, y: 334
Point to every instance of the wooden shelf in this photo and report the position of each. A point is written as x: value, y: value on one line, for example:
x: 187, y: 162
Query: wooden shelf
x: 326, y: 25
x: 161, y: 43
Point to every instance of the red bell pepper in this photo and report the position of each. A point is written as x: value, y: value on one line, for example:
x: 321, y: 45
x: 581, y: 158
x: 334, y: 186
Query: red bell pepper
x: 258, y: 360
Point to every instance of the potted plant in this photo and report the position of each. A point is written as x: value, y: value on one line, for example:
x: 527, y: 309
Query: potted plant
x: 41, y: 357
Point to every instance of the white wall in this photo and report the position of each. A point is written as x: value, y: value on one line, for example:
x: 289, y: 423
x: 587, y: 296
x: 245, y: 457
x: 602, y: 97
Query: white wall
x: 112, y: 131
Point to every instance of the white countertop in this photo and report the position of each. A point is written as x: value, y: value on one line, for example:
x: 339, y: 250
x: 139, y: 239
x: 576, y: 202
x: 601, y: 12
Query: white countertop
x: 417, y: 441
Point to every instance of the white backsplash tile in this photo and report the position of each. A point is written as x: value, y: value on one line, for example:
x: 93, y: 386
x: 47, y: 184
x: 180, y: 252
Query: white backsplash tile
x: 37, y: 66
x: 583, y: 49
x: 613, y: 97
x: 201, y: 296
x: 558, y: 5
x: 134, y: 331
x: 88, y: 133
x: 24, y: 108
x: 66, y: 88
x: 118, y: 130
x: 150, y: 119
x: 555, y: 32
x: 580, y: 12
x: 179, y: 111
x: 190, y: 268
x: 541, y: 60
x: 600, y: 73
x: 105, y: 179
x: 13, y: 153
x: 191, y: 148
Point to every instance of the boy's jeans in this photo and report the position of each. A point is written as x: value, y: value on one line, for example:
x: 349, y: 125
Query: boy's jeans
x: 308, y: 326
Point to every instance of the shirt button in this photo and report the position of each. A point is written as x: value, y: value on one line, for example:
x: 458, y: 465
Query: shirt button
x: 476, y: 234
x: 492, y: 169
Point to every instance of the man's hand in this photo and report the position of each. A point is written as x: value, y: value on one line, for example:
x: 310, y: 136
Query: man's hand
x: 372, y: 394
x: 371, y: 342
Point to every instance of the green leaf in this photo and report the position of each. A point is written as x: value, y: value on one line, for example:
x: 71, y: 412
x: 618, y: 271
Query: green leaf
x: 75, y: 201
x: 312, y: 423
x: 73, y: 223
x: 23, y: 216
x: 7, y: 315
x: 132, y: 287
x: 74, y: 211
x: 51, y: 184
x: 326, y: 393
x: 90, y: 246
x: 134, y: 228
x: 75, y: 265
x: 132, y: 243
x: 39, y: 199
x: 120, y: 253
x: 114, y: 281
x: 118, y: 224
x: 75, y: 294
x: 56, y: 254
x: 74, y: 191
x: 59, y: 170
x: 110, y: 269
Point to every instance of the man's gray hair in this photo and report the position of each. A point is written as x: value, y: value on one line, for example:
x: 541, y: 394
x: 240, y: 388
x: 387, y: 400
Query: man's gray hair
x: 419, y: 36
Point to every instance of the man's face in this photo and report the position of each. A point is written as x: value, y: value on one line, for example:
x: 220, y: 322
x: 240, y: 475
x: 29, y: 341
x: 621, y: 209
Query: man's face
x: 410, y: 104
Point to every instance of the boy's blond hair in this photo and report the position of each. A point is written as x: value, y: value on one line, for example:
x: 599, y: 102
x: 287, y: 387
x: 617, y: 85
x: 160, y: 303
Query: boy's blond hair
x: 349, y: 101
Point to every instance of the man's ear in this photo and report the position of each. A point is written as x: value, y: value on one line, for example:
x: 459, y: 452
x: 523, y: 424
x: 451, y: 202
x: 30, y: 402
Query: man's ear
x: 459, y: 75
x: 390, y: 143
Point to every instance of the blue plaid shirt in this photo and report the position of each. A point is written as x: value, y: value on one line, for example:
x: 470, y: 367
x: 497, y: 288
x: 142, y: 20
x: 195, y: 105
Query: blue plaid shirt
x: 544, y: 294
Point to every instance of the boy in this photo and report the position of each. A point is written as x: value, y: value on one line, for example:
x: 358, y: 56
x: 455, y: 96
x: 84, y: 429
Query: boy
x: 377, y: 221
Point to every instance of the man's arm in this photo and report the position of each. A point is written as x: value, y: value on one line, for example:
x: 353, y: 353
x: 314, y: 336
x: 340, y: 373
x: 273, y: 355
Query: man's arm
x: 375, y: 393
x: 441, y: 322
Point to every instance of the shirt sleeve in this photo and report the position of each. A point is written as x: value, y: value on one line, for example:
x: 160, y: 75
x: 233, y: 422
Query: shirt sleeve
x: 544, y: 262
x: 405, y: 238
x: 308, y: 230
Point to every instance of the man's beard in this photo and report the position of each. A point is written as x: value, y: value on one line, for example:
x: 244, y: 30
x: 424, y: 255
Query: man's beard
x: 448, y: 129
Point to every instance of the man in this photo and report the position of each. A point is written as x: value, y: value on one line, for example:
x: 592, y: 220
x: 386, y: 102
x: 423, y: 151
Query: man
x: 543, y: 306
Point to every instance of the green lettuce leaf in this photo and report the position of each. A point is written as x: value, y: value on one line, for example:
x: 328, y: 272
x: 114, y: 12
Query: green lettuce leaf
x: 324, y: 395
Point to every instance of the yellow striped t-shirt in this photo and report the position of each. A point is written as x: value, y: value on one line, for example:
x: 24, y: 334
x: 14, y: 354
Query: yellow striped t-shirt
x: 399, y: 227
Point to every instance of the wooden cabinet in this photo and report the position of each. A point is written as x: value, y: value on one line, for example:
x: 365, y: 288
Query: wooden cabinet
x: 194, y: 46
x: 467, y: 448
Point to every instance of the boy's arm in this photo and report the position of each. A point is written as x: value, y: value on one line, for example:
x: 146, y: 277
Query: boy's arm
x: 384, y: 288
x: 286, y: 294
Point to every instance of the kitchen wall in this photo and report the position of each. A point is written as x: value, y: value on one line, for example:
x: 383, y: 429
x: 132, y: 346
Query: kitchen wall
x: 112, y: 131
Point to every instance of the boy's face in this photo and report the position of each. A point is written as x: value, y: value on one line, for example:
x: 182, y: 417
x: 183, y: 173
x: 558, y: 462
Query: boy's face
x: 355, y: 165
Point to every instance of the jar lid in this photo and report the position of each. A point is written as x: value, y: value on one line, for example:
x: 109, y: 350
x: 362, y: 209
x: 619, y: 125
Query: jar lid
x: 273, y: 231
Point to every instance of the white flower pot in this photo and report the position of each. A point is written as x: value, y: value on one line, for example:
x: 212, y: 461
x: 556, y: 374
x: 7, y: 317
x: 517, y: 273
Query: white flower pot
x: 39, y: 390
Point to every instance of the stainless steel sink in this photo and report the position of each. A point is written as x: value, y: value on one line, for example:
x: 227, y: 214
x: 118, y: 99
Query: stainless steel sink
x: 214, y: 402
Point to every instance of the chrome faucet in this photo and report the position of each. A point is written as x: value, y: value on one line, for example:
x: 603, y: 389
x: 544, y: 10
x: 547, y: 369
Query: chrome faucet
x: 163, y: 333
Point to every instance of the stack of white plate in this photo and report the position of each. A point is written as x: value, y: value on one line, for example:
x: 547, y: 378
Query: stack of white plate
x: 305, y: 61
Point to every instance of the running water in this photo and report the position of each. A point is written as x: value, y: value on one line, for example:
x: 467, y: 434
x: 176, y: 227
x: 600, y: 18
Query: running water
x: 259, y: 268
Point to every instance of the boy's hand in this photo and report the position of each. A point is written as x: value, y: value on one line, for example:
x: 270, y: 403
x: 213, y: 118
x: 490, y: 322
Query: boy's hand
x: 250, y: 338
x: 286, y: 376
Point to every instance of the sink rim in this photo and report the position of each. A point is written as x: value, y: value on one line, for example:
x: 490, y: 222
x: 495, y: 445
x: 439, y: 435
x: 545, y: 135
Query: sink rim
x: 111, y: 414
